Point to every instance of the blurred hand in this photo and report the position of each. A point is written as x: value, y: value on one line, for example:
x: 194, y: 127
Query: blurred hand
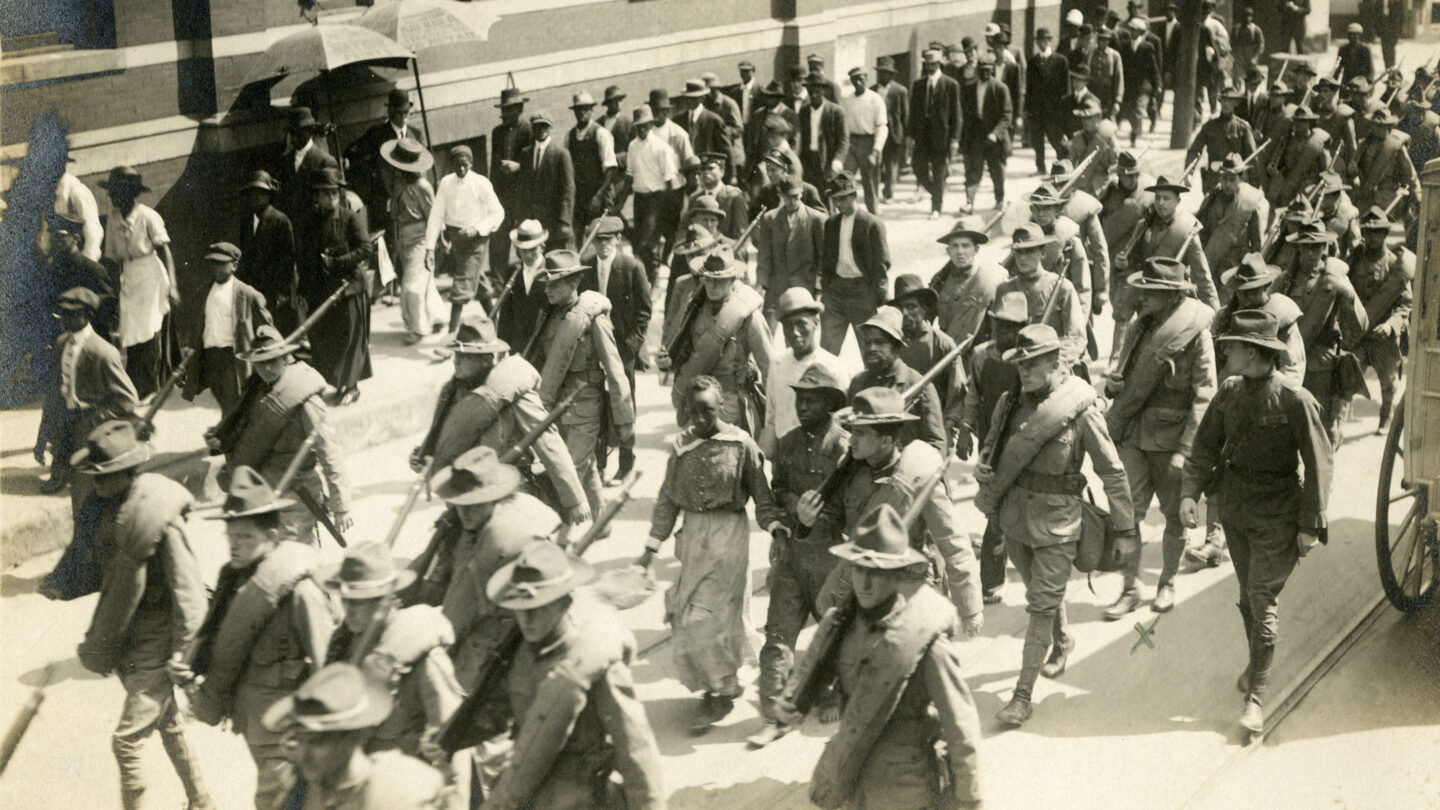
x: 342, y: 521
x: 1305, y: 541
x: 807, y: 509
x: 984, y: 473
x: 417, y: 460
x: 578, y: 514
x: 1189, y: 512
x: 40, y: 452
x: 180, y: 672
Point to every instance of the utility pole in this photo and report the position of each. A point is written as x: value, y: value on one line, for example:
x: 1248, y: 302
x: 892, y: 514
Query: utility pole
x: 1182, y: 122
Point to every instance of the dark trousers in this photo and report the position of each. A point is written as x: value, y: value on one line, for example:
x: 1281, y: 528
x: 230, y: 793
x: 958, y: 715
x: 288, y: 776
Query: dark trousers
x: 1321, y: 383
x: 992, y: 559
x: 1039, y: 128
x: 1264, y: 559
x: 223, y: 377
x: 142, y: 363
x: 816, y: 173
x: 1387, y: 48
x: 651, y: 216
x: 931, y: 171
x: 979, y: 157
x: 891, y: 159
x: 797, y: 578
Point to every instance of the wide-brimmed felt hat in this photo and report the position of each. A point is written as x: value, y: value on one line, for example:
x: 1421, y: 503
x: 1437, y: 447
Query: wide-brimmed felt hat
x: 1250, y: 273
x: 969, y: 226
x: 511, y: 97
x: 77, y: 298
x: 1162, y: 273
x: 1231, y: 164
x: 407, y: 154
x: 1233, y: 93
x: 1300, y: 211
x: 1383, y: 117
x: 1375, y: 219
x: 475, y: 476
x: 267, y: 344
x: 1034, y: 340
x: 909, y: 284
x: 1280, y: 88
x: 1061, y: 169
x: 1163, y: 183
x: 326, y: 178
x: 644, y: 115
x: 698, y: 239
x: 528, y: 234
x: 222, y: 252
x: 1359, y: 84
x: 795, y: 301
x: 1304, y: 113
x: 337, y: 698
x: 1311, y: 233
x: 1011, y: 307
x: 612, y: 93
x: 773, y: 89
x: 124, y: 177
x: 660, y: 99
x: 367, y: 571
x: 561, y: 264
x: 719, y: 264
x: 302, y: 119
x: 1044, y: 195
x: 609, y: 226
x: 1326, y: 83
x: 705, y: 204
x: 820, y: 378
x: 1331, y: 183
x: 1254, y: 326
x: 1029, y: 235
x: 582, y: 99
x: 249, y: 495
x: 878, y: 406
x: 541, y: 574
x: 111, y: 447
x: 477, y: 335
x: 262, y: 180
x: 881, y: 542
x: 888, y: 320
x: 1127, y: 163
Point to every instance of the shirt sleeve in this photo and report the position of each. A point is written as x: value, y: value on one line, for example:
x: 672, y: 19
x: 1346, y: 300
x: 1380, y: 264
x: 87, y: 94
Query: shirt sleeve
x: 667, y: 510
x: 494, y: 211
x: 313, y: 419
x: 1106, y: 463
x: 83, y: 203
x: 186, y: 583
x: 1204, y: 458
x: 543, y: 733
x: 881, y: 121
x: 436, y: 221
x: 559, y: 465
x: 155, y: 225
x: 636, y: 755
x: 961, y: 569
x: 1202, y: 382
x: 1316, y: 452
x: 944, y: 681
x: 606, y: 139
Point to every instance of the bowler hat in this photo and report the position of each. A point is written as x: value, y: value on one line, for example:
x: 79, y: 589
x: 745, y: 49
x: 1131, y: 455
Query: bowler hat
x: 881, y: 542
x: 888, y: 320
x: 1011, y: 307
x: 561, y: 264
x: 1029, y: 235
x: 262, y: 180
x: 267, y: 344
x: 337, y: 698
x: 969, y: 226
x: 511, y: 97
x: 705, y: 204
x: 1163, y: 183
x: 407, y: 154
x: 1254, y: 326
x: 612, y: 93
x: 222, y: 252
x: 660, y: 99
x: 719, y: 264
x: 698, y: 239
x: 1313, y: 232
x: 326, y: 178
x: 1375, y: 219
x: 1250, y: 273
x: 797, y: 300
x: 1161, y: 273
x: 818, y: 377
x: 1033, y: 341
x: 249, y: 495
x: 127, y: 177
x: 111, y: 447
x: 1042, y: 33
x: 540, y: 575
x: 77, y: 298
x: 528, y: 234
x: 879, y: 406
x: 475, y: 476
x: 367, y: 571
x: 477, y: 335
x: 909, y: 284
x: 582, y: 99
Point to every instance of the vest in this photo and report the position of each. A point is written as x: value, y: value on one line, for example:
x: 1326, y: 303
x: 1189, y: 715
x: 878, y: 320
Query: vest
x: 584, y: 149
x: 1144, y: 360
x: 1027, y: 439
x: 886, y: 672
x: 571, y: 328
x: 270, y: 429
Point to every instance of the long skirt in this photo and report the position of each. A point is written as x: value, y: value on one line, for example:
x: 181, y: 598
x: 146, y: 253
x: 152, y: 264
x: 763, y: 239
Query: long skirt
x: 708, y: 609
x: 340, y: 342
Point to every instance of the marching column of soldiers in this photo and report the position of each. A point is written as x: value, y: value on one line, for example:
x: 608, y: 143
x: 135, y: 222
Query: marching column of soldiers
x: 494, y: 670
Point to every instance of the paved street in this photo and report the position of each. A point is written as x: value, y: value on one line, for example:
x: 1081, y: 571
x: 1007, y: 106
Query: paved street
x: 1124, y: 727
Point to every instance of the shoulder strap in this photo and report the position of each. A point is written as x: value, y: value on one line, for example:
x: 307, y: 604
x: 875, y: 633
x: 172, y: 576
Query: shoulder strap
x: 1027, y: 440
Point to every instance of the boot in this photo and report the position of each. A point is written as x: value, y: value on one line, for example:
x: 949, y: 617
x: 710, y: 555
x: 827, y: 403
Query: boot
x: 1164, y: 598
x: 1059, y: 657
x: 1017, y: 711
x: 1242, y: 684
x: 1038, y: 638
x: 1126, y: 604
x: 177, y: 748
x: 768, y: 733
x: 1385, y: 408
x: 627, y: 463
x: 1253, y: 718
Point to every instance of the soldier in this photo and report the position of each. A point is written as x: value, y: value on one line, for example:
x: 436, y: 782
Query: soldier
x: 800, y: 565
x: 1065, y: 254
x: 882, y: 339
x: 325, y: 724
x: 89, y: 386
x: 1166, y: 230
x: 1336, y: 118
x: 1272, y: 515
x: 1232, y: 219
x: 1336, y: 210
x: 1384, y: 167
x: 714, y: 469
x: 1383, y: 278
x: 267, y: 631
x: 1332, y: 318
x: 574, y: 347
x: 898, y: 667
x: 721, y: 333
x: 1030, y: 482
x: 965, y: 285
x: 577, y: 720
x: 800, y: 327
x: 152, y: 601
x: 989, y: 377
x: 1123, y: 205
x: 1221, y: 135
x: 1049, y: 298
x: 1271, y: 120
x: 1162, y: 382
x: 281, y: 405
x: 924, y: 345
x: 1083, y: 208
x: 1095, y: 136
x: 1303, y: 156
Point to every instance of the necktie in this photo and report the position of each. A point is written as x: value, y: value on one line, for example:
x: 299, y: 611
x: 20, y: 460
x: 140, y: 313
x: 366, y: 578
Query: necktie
x: 539, y: 152
x: 980, y: 99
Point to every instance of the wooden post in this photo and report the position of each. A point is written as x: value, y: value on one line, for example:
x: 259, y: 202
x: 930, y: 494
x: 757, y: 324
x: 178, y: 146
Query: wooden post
x: 1182, y: 118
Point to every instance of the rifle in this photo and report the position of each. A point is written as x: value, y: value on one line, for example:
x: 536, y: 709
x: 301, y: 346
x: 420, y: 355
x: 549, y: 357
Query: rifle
x: 21, y: 723
x: 504, y: 293
x: 146, y: 427
x: 317, y: 314
x: 673, y: 349
x: 745, y: 234
x: 513, y: 453
x: 1075, y: 175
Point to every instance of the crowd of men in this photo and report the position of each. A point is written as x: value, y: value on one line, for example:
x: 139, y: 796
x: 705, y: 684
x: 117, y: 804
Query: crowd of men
x: 491, y: 671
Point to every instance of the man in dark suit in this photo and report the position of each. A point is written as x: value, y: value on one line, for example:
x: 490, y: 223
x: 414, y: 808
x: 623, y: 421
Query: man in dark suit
x: 1140, y: 60
x: 301, y: 158
x: 728, y: 109
x: 1009, y: 69
x: 824, y: 141
x: 985, y: 135
x: 266, y: 240
x: 897, y: 104
x: 507, y: 140
x: 706, y: 129
x: 746, y: 96
x: 816, y: 65
x: 525, y: 302
x: 1047, y: 82
x: 620, y: 278
x: 597, y: 169
x: 854, y: 266
x: 934, y: 129
x: 230, y: 311
x: 364, y: 168
x: 547, y: 181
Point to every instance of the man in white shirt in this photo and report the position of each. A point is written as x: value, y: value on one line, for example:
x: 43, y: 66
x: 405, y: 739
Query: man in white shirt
x: 465, y: 213
x: 800, y: 325
x: 867, y: 119
x: 233, y: 311
x: 75, y: 202
x: 654, y: 170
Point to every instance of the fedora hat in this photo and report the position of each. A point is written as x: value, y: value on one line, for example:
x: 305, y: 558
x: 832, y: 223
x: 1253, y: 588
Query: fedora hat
x: 885, y: 64
x: 820, y: 378
x: 1250, y: 273
x: 1044, y: 195
x: 719, y: 264
x: 528, y: 234
x: 222, y: 252
x: 1304, y: 113
x: 1231, y: 164
x: 1034, y: 340
x: 367, y: 571
x: 888, y: 320
x: 407, y: 154
x: 1383, y: 117
x: 541, y: 574
x: 909, y: 284
x: 1374, y: 219
x: 249, y: 495
x: 879, y: 406
x: 337, y: 698
x: 613, y: 93
x: 326, y: 178
x: 797, y: 300
x: 1127, y: 163
x: 302, y: 119
x: 1254, y: 326
x: 1011, y: 307
x: 695, y: 88
x: 262, y: 180
x: 77, y: 298
x: 660, y: 99
x: 1029, y: 235
x: 1312, y: 232
x: 582, y: 99
x: 1042, y: 33
x: 698, y: 239
x: 1233, y: 93
x: 644, y: 115
x: 127, y: 177
x: 1161, y: 273
x: 882, y: 542
x: 111, y: 447
x: 511, y: 97
x: 476, y: 476
x: 561, y: 264
x: 1162, y: 183
x: 397, y: 98
x: 705, y: 204
x: 267, y: 344
x: 968, y: 226
x: 773, y: 90
x: 477, y: 335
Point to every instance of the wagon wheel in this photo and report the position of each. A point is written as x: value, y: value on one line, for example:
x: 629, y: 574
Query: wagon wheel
x: 1406, y: 547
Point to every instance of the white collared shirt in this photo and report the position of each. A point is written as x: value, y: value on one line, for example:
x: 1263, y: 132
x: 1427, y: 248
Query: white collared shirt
x: 300, y: 153
x: 602, y: 273
x: 866, y: 114
x: 528, y: 274
x: 786, y: 370
x: 815, y: 127
x: 468, y: 202
x: 69, y: 358
x: 75, y: 202
x: 846, y: 267
x: 540, y: 152
x: 652, y: 164
x: 220, y: 316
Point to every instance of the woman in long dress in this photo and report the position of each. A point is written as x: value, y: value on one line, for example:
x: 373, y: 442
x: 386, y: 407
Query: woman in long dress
x: 136, y: 240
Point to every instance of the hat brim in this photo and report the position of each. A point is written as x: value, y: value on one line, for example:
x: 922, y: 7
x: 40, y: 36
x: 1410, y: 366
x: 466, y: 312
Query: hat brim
x: 730, y: 272
x: 881, y: 561
x: 547, y: 276
x: 330, y: 575
x: 491, y: 347
x: 512, y: 102
x: 1033, y: 243
x: 376, y: 707
x: 112, y: 186
x: 528, y: 243
x: 693, y: 248
x: 975, y: 236
x: 277, y: 505
x: 387, y: 153
x: 929, y: 298
x: 872, y: 419
x: 584, y: 105
x: 80, y: 460
x: 444, y: 485
x: 1138, y: 281
x: 714, y: 212
x: 1175, y: 187
x: 581, y: 573
x: 256, y: 184
x: 838, y: 398
x: 616, y: 97
x: 1228, y: 278
x: 1269, y: 343
x: 267, y: 353
x: 1303, y: 238
x: 815, y: 308
x: 1017, y: 354
x: 898, y: 337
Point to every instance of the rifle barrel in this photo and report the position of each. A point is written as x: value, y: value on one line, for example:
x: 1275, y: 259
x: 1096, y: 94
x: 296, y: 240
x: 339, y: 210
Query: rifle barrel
x: 909, y: 394
x: 534, y: 434
x: 922, y: 495
x: 603, y: 519
x: 319, y: 312
x: 1075, y: 175
x: 293, y: 468
x: 745, y: 234
x: 148, y: 420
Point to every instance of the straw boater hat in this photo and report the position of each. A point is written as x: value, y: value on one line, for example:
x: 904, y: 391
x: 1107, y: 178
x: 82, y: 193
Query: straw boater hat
x: 888, y: 320
x: 367, y: 571
x: 407, y: 154
x: 819, y: 378
x: 124, y: 177
x: 337, y: 698
x: 1255, y: 326
x: 249, y: 496
x: 477, y: 335
x: 267, y: 344
x: 1162, y: 273
x: 879, y: 406
x: 528, y: 234
x: 1035, y: 340
x: 966, y: 226
x: 695, y: 88
x: 1029, y: 235
x: 542, y: 574
x: 718, y: 265
x: 909, y: 285
x: 476, y: 476
x: 1252, y: 272
x: 797, y: 300
x: 881, y: 542
x: 561, y: 264
x: 111, y: 447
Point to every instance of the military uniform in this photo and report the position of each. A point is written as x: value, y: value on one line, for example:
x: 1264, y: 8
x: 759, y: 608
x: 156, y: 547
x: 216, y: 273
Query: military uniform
x: 922, y: 351
x: 1067, y: 316
x: 900, y: 376
x: 1341, y: 218
x: 989, y: 377
x: 1385, y: 169
x: 1163, y: 239
x: 964, y: 295
x: 1232, y: 228
x: 727, y: 340
x: 1218, y: 137
x: 1065, y: 256
x: 1384, y: 283
x: 1120, y: 212
x: 1083, y: 208
x: 1103, y: 144
x: 1295, y: 164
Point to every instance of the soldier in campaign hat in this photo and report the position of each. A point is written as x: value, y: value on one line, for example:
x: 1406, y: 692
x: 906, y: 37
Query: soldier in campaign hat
x: 1383, y: 277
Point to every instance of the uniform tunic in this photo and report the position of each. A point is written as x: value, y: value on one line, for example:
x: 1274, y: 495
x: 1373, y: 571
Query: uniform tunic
x: 1067, y: 315
x: 1331, y: 317
x: 1384, y: 284
x: 964, y: 295
x: 900, y: 376
x: 921, y: 352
